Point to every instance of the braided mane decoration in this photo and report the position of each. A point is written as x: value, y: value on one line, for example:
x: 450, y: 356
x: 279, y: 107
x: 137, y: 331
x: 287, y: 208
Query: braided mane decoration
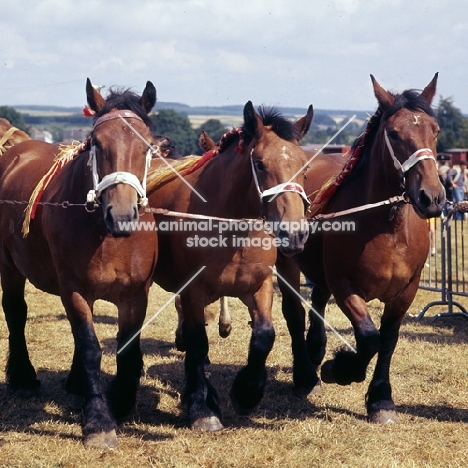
x: 189, y: 164
x: 224, y: 141
x: 66, y: 154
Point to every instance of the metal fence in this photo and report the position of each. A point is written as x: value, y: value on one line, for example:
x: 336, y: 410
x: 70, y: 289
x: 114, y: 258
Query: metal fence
x: 446, y: 269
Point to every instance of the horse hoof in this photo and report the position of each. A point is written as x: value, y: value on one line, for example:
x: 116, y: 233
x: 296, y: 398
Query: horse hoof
x: 326, y: 373
x: 101, y: 441
x: 74, y: 402
x: 317, y: 390
x: 306, y: 390
x: 225, y: 331
x: 207, y: 424
x: 384, y: 417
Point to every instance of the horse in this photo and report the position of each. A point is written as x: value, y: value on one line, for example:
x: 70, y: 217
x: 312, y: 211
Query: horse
x: 84, y: 252
x: 257, y: 172
x: 10, y: 136
x: 391, y: 171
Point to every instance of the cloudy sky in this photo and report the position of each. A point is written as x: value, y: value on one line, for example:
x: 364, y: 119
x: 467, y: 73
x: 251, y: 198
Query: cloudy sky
x: 219, y: 52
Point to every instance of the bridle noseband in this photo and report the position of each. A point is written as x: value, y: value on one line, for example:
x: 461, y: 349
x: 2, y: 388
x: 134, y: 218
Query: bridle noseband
x: 119, y: 177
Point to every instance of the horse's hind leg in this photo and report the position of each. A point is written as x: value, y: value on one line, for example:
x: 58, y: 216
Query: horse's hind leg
x: 304, y: 371
x: 20, y: 373
x: 249, y: 384
x: 379, y: 402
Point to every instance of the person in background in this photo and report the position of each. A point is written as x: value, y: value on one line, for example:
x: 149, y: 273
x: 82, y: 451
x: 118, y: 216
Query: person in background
x: 443, y: 169
x: 457, y: 177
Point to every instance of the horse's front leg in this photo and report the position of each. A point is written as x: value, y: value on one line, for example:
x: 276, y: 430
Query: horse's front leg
x: 98, y: 424
x: 249, y: 384
x: 20, y: 373
x: 350, y: 365
x: 200, y: 396
x: 379, y: 402
x: 124, y: 387
x: 304, y: 372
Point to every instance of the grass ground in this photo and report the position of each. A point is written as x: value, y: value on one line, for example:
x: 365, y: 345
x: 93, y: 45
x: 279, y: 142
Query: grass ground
x: 430, y: 387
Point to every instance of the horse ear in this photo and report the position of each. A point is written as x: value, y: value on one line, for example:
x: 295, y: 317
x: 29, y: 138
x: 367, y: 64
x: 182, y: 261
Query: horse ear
x: 95, y: 100
x: 430, y: 90
x: 205, y: 142
x: 253, y: 123
x: 148, y: 98
x: 303, y: 124
x: 384, y: 98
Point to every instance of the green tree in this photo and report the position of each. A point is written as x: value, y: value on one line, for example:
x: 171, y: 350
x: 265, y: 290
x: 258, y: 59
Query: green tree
x: 176, y: 126
x: 452, y: 125
x: 214, y: 128
x: 14, y: 117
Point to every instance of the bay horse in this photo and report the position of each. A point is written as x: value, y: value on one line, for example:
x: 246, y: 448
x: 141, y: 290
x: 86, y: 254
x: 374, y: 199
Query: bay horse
x: 10, y: 135
x: 82, y: 254
x: 256, y: 163
x: 384, y: 255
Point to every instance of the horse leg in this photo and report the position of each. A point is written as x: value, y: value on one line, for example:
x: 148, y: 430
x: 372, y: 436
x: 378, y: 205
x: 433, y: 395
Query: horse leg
x: 349, y: 365
x: 225, y: 321
x: 304, y: 371
x: 249, y: 384
x: 179, y: 336
x: 123, y: 390
x: 98, y: 424
x: 316, y: 336
x: 379, y: 402
x: 20, y: 373
x: 200, y: 396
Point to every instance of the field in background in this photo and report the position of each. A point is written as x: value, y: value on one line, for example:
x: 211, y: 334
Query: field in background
x: 430, y: 387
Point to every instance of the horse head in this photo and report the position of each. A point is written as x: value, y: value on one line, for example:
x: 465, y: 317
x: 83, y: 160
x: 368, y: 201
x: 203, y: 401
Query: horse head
x: 409, y: 132
x: 278, y: 168
x: 120, y: 154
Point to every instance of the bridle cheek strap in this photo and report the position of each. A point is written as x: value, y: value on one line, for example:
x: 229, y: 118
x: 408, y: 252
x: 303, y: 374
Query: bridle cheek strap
x: 418, y: 155
x: 119, y: 177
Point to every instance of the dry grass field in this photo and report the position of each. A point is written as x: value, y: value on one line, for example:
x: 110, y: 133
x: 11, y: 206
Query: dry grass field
x: 430, y: 387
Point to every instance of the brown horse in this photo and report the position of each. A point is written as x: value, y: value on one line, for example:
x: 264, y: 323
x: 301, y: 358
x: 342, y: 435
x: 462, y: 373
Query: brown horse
x: 381, y: 259
x: 10, y: 136
x: 82, y: 254
x: 232, y: 258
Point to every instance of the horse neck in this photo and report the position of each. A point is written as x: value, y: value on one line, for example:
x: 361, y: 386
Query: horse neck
x: 228, y: 179
x: 378, y: 177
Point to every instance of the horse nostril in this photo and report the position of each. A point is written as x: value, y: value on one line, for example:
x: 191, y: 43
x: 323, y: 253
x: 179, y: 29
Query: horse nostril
x: 424, y: 199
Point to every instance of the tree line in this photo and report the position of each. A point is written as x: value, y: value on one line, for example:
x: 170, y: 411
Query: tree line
x: 453, y: 127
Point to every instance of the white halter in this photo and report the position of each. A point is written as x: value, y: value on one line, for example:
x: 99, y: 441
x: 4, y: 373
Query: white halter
x: 418, y: 155
x: 120, y: 177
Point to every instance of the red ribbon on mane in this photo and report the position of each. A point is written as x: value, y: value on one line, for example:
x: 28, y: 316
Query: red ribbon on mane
x: 224, y: 141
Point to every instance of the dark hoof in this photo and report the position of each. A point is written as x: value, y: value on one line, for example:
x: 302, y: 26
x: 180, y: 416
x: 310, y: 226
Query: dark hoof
x: 326, y: 373
x: 225, y: 330
x: 239, y: 409
x: 74, y: 402
x: 31, y: 389
x: 179, y: 343
x: 317, y: 390
x: 303, y: 391
x: 384, y: 417
x: 101, y: 441
x: 207, y: 424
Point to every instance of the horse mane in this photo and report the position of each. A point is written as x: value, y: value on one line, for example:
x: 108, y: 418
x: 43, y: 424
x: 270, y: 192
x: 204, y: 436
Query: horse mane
x: 272, y: 117
x: 124, y: 99
x: 162, y: 174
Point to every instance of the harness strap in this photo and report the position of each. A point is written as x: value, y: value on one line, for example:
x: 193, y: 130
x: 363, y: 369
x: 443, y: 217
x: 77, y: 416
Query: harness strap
x: 418, y: 155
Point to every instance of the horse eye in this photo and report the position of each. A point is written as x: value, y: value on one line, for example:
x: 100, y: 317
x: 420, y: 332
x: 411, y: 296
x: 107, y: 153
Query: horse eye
x: 393, y: 134
x: 259, y: 165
